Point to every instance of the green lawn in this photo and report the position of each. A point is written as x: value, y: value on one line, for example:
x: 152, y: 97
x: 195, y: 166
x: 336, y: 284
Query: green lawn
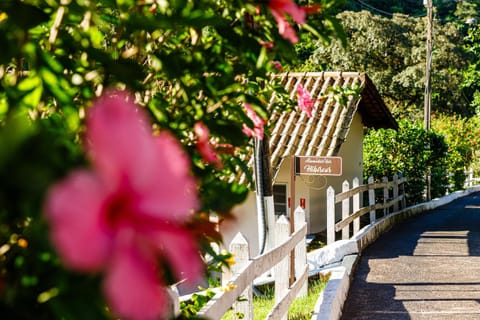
x: 302, y: 308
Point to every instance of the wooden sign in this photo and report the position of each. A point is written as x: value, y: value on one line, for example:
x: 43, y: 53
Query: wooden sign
x: 320, y: 166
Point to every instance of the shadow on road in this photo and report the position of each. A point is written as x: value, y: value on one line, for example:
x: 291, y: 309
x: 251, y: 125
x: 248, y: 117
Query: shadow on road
x: 425, y: 268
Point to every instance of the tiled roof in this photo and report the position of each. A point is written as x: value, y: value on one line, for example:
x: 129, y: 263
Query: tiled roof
x: 294, y: 133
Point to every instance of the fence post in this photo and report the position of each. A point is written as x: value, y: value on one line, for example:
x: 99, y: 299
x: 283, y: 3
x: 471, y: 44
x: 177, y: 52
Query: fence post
x: 470, y: 178
x: 386, y: 195
x: 371, y: 200
x: 356, y: 205
x: 330, y: 215
x: 281, y: 270
x: 300, y: 251
x: 244, y: 305
x: 404, y: 196
x: 395, y: 192
x: 174, y: 301
x: 345, y: 211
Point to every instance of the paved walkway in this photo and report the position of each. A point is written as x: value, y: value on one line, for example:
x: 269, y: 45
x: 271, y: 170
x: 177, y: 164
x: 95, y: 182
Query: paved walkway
x: 425, y: 268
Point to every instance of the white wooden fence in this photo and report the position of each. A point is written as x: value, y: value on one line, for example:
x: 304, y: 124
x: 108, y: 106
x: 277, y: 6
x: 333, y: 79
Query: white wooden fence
x: 470, y: 180
x: 289, y: 253
x: 289, y: 256
x: 393, y: 200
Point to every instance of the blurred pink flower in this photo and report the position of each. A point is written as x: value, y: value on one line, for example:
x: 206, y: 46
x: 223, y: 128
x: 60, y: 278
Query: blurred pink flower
x: 277, y: 65
x: 204, y: 146
x: 129, y: 213
x: 267, y: 45
x: 258, y: 123
x: 305, y: 102
x: 279, y: 8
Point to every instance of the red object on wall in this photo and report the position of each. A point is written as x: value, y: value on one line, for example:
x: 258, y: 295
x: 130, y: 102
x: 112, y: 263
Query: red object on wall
x: 288, y: 202
x: 302, y: 203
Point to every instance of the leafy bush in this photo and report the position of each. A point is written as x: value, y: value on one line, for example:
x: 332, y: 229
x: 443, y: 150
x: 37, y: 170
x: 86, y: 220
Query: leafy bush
x: 463, y: 138
x: 186, y: 63
x: 412, y: 151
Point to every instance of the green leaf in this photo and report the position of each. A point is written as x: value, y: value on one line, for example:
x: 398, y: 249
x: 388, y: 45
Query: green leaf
x: 30, y: 83
x: 23, y: 15
x: 262, y: 58
x: 32, y: 90
x: 55, y: 84
x: 51, y: 62
x: 72, y: 117
x: 97, y: 38
x: 13, y: 134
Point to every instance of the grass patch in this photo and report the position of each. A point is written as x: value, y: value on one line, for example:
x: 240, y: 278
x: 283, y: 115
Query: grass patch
x: 301, y: 308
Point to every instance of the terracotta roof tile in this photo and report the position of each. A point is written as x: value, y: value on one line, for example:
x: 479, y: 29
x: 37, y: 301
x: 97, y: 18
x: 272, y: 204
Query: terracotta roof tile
x: 294, y: 133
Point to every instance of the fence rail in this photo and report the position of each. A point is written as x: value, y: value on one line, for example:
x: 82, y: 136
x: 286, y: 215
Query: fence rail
x: 393, y: 198
x: 246, y: 270
x: 470, y: 179
x: 289, y: 255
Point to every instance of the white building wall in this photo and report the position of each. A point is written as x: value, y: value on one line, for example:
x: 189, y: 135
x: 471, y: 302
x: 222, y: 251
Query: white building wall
x: 313, y: 189
x: 244, y: 221
x: 301, y: 189
x: 351, y: 153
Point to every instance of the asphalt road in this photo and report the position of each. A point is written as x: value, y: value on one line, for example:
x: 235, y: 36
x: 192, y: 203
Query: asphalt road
x: 425, y: 268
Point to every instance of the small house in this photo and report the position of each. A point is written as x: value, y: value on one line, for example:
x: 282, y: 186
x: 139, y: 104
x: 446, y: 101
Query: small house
x: 345, y: 104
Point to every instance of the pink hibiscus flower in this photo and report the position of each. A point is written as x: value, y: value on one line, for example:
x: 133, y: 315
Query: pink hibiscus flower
x: 277, y: 65
x: 305, y: 102
x: 279, y: 8
x: 258, y: 123
x: 204, y: 146
x: 267, y: 45
x: 122, y: 217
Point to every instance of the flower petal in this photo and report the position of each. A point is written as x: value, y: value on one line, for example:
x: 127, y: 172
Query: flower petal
x: 170, y: 193
x: 132, y: 287
x: 73, y: 209
x: 258, y: 123
x: 201, y: 131
x: 297, y: 13
x: 156, y: 168
x: 119, y: 140
x: 204, y: 146
x: 184, y: 256
x: 277, y: 65
x: 284, y: 28
x: 305, y: 102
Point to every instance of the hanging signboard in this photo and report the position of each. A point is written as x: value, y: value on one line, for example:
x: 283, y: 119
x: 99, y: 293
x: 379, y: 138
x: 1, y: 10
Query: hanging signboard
x: 320, y: 166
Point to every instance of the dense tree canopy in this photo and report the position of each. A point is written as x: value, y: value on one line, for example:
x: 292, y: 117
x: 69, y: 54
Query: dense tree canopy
x: 392, y: 52
x: 409, y: 150
x: 387, y: 40
x: 199, y: 69
x: 472, y: 73
x: 446, y: 10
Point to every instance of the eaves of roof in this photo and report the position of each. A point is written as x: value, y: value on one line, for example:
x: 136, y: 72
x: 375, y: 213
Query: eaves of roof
x: 294, y: 133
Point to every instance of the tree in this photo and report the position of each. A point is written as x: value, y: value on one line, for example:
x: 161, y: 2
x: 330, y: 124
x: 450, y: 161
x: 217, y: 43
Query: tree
x: 467, y: 11
x: 199, y: 69
x: 392, y: 53
x: 444, y: 8
x: 472, y: 71
x: 461, y: 136
x: 411, y: 151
